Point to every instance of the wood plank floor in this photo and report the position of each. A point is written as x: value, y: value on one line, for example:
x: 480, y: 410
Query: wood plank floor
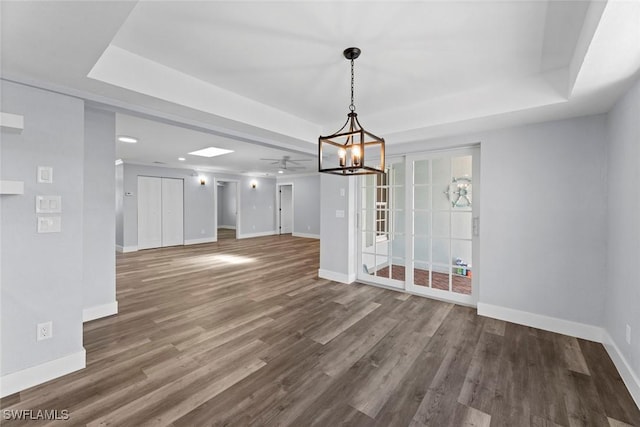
x: 243, y: 332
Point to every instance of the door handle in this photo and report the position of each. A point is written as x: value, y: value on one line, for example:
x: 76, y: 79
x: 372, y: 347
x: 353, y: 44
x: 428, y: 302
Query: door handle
x: 476, y: 226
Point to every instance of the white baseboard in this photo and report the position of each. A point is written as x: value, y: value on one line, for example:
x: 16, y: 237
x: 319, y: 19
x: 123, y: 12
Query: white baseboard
x: 552, y: 324
x: 99, y: 311
x: 261, y: 234
x: 228, y: 227
x: 200, y: 241
x: 336, y: 277
x: 125, y: 249
x: 306, y: 235
x: 630, y: 378
x: 21, y: 380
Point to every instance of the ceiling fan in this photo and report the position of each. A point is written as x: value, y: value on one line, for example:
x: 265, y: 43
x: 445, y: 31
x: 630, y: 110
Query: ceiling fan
x: 287, y: 163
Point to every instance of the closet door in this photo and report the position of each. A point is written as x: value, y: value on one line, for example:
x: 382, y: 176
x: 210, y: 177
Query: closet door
x: 149, y: 212
x: 172, y: 212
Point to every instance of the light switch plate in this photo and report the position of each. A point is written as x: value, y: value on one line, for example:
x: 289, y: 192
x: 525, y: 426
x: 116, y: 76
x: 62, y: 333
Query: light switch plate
x: 49, y: 224
x: 339, y: 214
x: 45, y: 174
x: 48, y: 204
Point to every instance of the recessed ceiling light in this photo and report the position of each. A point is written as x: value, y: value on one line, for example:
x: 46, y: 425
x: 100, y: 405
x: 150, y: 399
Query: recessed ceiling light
x: 182, y: 159
x: 119, y: 162
x: 210, y: 152
x: 127, y: 139
x: 280, y: 171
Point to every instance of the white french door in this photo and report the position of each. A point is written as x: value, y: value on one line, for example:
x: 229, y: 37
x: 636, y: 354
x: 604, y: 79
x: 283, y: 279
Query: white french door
x: 381, y: 218
x: 418, y: 225
x: 443, y: 247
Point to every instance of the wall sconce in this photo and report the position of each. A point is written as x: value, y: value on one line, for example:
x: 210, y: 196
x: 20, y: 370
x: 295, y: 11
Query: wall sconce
x: 254, y: 184
x: 202, y: 179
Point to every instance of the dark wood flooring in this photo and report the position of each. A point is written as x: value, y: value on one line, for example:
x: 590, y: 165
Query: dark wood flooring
x: 226, y: 233
x: 242, y: 332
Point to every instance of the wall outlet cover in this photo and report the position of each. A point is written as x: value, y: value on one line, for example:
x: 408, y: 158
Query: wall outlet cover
x: 44, y: 331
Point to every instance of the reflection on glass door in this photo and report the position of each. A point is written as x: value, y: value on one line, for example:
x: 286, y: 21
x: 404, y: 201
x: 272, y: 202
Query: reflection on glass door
x: 442, y: 212
x: 382, y: 219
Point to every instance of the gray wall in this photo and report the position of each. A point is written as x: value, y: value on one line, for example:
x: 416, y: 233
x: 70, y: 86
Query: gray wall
x: 199, y: 202
x: 119, y: 190
x: 543, y: 217
x: 306, y: 200
x: 99, y: 280
x: 227, y: 209
x: 219, y: 203
x: 337, y: 248
x: 41, y: 274
x: 257, y: 214
x: 623, y: 291
x: 257, y: 206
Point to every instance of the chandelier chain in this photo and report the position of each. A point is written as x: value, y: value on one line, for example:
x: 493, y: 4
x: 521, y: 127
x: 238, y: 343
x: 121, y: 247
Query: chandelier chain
x: 352, y: 106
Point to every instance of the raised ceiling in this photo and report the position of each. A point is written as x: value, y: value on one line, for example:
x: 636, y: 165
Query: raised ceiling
x: 273, y: 72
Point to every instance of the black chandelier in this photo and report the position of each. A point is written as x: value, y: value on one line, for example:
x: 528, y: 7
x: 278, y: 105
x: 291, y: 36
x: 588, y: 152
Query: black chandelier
x: 351, y: 150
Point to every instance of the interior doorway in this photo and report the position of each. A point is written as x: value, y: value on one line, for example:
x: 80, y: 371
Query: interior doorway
x: 285, y: 208
x: 228, y: 207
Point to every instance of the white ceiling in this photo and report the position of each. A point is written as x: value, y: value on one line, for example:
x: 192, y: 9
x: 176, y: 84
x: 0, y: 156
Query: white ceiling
x: 163, y: 144
x: 273, y: 72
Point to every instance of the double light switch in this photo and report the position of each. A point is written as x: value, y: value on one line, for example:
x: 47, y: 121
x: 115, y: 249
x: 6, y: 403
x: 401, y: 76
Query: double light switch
x: 48, y: 204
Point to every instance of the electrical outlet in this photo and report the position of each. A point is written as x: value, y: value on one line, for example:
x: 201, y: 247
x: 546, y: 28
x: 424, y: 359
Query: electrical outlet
x: 45, y: 330
x: 628, y: 334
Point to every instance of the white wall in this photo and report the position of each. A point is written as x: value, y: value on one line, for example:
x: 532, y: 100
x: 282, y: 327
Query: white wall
x: 41, y: 274
x: 622, y: 296
x: 99, y: 280
x: 306, y: 208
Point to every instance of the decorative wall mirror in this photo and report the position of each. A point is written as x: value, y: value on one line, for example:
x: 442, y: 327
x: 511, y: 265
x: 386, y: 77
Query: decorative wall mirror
x: 459, y: 192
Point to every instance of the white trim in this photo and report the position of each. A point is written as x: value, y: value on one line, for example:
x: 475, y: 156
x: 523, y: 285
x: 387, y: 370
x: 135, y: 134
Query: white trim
x: 296, y: 175
x: 11, y: 187
x: 21, y: 380
x: 228, y: 227
x: 11, y: 122
x: 125, y: 249
x: 199, y: 241
x: 261, y: 234
x: 630, y: 378
x: 306, y: 235
x: 336, y: 277
x: 99, y: 311
x: 552, y: 324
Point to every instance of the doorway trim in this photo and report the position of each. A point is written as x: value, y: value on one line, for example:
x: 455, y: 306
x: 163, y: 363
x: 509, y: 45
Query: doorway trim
x: 279, y: 206
x: 238, y: 204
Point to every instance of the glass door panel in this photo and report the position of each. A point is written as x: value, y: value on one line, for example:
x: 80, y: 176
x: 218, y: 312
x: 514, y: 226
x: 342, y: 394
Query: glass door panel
x: 441, y: 245
x: 382, y: 220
